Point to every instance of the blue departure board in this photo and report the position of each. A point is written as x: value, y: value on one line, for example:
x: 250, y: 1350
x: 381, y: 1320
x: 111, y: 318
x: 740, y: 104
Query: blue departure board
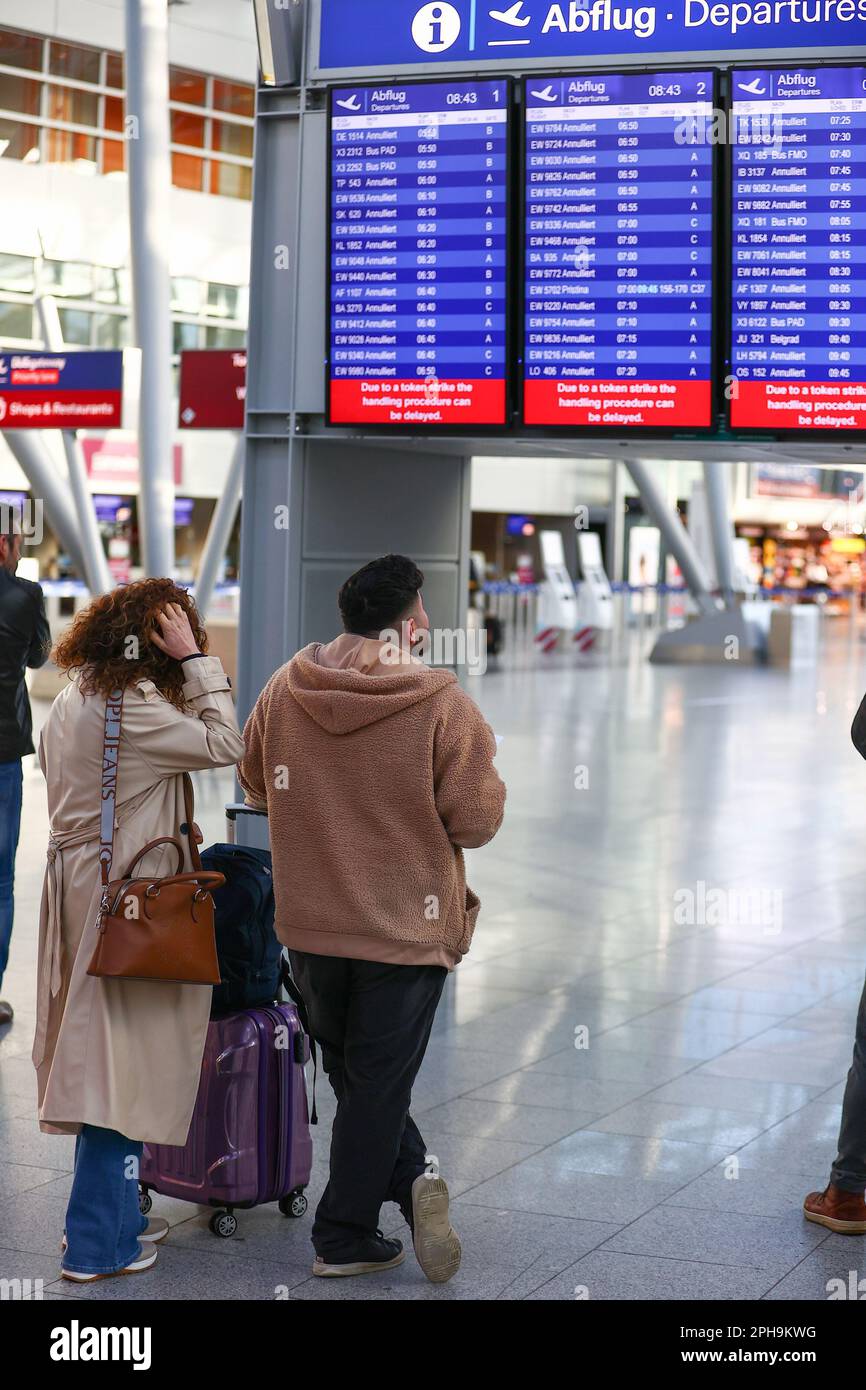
x: 418, y: 254
x: 798, y: 345
x: 618, y: 327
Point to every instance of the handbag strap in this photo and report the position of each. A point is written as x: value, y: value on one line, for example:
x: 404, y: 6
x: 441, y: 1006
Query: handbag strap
x: 110, y: 761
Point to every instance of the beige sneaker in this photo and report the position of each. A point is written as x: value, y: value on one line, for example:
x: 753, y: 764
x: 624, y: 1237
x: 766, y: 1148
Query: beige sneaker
x: 144, y: 1261
x: 437, y: 1245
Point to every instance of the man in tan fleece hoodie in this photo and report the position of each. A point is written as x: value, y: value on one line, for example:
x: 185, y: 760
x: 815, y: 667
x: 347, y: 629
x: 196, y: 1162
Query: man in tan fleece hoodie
x: 377, y: 772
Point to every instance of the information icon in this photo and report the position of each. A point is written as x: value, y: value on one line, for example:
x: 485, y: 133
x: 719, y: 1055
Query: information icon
x: 436, y: 27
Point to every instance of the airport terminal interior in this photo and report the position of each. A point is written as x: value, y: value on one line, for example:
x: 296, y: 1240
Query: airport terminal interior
x: 622, y: 430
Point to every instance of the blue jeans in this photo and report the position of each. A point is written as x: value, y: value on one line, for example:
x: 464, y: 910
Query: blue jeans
x: 10, y: 825
x: 103, y: 1220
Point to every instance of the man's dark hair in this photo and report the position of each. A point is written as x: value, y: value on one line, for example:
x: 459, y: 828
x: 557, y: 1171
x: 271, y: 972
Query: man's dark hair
x: 377, y: 596
x: 10, y: 525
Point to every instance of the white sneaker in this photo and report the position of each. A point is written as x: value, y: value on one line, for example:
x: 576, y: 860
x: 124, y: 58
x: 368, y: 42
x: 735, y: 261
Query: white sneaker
x: 139, y: 1264
x: 156, y: 1229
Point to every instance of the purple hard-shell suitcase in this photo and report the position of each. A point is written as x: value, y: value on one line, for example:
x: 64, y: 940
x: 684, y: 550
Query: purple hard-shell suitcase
x: 249, y: 1139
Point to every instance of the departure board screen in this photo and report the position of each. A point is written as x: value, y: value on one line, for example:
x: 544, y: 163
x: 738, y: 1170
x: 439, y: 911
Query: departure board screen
x: 619, y: 251
x: 798, y: 345
x: 418, y: 254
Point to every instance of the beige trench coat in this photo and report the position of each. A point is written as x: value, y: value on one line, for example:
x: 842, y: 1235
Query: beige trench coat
x: 120, y: 1054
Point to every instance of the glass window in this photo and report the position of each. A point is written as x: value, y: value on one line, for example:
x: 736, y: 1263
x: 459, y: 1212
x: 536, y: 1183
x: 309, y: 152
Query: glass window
x: 105, y: 285
x: 186, y: 295
x: 20, y: 50
x: 114, y: 71
x: 18, y: 141
x: 76, y: 326
x: 69, y: 279
x: 188, y: 87
x: 19, y: 94
x: 112, y: 156
x: 111, y: 332
x: 233, y: 139
x: 68, y: 147
x: 186, y: 336
x: 70, y: 60
x: 74, y: 106
x: 16, y: 321
x: 187, y: 171
x: 17, y: 274
x: 187, y: 129
x: 231, y: 180
x: 231, y: 96
x: 124, y: 285
x: 113, y: 152
x: 222, y: 301
x: 220, y: 337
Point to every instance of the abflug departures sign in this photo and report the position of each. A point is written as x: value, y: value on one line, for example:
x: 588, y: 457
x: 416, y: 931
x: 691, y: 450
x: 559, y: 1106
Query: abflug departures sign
x: 619, y: 251
x: 408, y: 32
x: 418, y: 194
x: 798, y: 346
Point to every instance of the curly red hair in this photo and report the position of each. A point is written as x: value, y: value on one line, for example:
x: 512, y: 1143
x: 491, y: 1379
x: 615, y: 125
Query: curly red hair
x: 109, y: 644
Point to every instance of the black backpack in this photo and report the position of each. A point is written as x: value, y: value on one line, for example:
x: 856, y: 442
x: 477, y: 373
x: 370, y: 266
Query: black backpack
x: 248, y: 950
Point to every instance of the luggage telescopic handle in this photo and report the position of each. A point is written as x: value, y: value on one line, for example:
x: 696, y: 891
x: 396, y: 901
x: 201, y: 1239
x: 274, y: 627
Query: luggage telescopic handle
x: 239, y: 808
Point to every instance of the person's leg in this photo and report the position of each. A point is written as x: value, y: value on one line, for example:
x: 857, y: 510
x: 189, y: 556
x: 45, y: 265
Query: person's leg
x: 849, y: 1170
x: 324, y: 984
x: 103, y: 1220
x: 390, y: 1014
x: 411, y: 1161
x: 10, y: 826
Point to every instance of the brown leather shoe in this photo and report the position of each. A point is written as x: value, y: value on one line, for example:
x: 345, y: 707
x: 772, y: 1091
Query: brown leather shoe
x: 6, y: 1013
x: 838, y: 1210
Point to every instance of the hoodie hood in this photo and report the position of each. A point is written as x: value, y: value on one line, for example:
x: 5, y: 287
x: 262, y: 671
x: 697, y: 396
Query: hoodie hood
x: 344, y: 686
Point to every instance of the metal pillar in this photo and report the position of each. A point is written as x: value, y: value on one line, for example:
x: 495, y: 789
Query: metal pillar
x: 149, y: 224
x: 96, y: 571
x: 220, y: 529
x: 719, y: 513
x: 48, y: 487
x: 615, y: 546
x: 675, y: 535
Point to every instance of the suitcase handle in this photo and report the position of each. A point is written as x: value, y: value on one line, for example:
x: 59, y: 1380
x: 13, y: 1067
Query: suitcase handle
x: 235, y: 809
x: 239, y: 808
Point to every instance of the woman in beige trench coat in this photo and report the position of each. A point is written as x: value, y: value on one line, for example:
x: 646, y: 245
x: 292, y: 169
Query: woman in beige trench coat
x: 118, y: 1061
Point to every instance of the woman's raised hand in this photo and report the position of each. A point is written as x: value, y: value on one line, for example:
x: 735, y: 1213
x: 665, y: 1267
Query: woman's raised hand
x: 173, y: 634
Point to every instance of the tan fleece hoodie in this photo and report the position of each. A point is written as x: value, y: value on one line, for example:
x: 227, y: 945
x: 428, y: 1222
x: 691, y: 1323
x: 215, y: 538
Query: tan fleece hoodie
x: 376, y: 777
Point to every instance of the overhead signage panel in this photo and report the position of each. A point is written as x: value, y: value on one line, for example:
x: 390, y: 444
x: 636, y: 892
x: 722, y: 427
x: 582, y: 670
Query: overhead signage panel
x: 798, y: 304
x: 402, y: 33
x: 61, y: 390
x: 213, y: 389
x: 618, y: 251
x: 418, y: 254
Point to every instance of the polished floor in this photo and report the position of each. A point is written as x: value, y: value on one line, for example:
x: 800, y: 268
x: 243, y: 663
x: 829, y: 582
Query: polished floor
x: 636, y: 1075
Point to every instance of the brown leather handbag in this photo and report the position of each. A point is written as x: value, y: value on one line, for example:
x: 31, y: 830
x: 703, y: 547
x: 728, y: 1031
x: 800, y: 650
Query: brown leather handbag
x: 152, y: 928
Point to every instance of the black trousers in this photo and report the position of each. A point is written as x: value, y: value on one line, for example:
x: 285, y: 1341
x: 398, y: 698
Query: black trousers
x: 849, y: 1170
x: 372, y: 1022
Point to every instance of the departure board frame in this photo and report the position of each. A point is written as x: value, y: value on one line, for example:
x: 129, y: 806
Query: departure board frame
x: 739, y: 431
x: 717, y: 337
x: 454, y: 429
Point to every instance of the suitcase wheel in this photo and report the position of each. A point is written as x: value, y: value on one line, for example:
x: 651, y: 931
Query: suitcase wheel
x: 145, y: 1201
x: 222, y: 1223
x: 293, y: 1205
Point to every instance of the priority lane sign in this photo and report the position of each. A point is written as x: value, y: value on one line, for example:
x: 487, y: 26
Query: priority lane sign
x: 61, y: 390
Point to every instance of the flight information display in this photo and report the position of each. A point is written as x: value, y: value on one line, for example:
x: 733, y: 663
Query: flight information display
x: 418, y: 254
x: 619, y: 251
x: 798, y: 345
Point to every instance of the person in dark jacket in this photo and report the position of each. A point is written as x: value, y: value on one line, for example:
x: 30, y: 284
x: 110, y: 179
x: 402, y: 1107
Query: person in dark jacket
x: 24, y: 641
x: 841, y: 1207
